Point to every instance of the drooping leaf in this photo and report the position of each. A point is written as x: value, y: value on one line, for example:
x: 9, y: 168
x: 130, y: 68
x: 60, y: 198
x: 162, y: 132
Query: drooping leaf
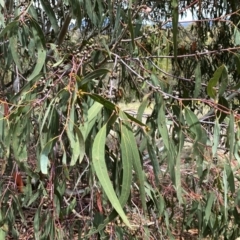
x: 51, y: 15
x: 211, y: 91
x: 127, y: 157
x: 230, y: 177
x: 130, y: 27
x: 230, y: 134
x: 216, y: 137
x: 222, y: 107
x: 199, y: 135
x: 198, y: 80
x: 13, y: 42
x: 154, y: 160
x: 236, y: 35
x: 223, y: 81
x: 209, y: 205
x: 98, y: 156
x: 12, y: 26
x: 92, y: 75
x: 237, y: 62
x: 142, y: 107
x: 91, y: 119
x: 175, y: 16
x: 162, y: 126
x: 44, y: 158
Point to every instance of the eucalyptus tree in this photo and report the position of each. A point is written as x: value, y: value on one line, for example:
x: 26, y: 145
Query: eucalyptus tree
x: 66, y: 66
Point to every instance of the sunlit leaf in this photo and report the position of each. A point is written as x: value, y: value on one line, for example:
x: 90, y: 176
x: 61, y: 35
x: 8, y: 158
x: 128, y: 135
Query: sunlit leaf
x: 98, y: 155
x: 211, y: 91
x: 216, y: 137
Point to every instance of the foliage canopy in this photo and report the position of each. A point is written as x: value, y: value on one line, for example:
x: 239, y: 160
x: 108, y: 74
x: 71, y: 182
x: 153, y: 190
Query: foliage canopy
x: 65, y: 68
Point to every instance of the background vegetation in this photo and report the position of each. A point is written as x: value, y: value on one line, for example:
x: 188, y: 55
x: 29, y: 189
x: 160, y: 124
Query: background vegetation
x: 74, y: 164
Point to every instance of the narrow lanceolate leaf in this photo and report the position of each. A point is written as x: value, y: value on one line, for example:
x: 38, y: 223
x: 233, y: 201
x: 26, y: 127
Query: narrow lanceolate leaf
x: 211, y: 91
x: 223, y: 81
x: 198, y: 80
x: 44, y: 161
x: 154, y: 160
x: 237, y: 146
x: 41, y: 50
x: 91, y: 119
x: 208, y: 210
x: 98, y: 156
x: 216, y: 137
x: 162, y: 126
x: 92, y: 75
x: 41, y: 56
x: 230, y: 177
x: 143, y: 106
x: 10, y: 27
x: 111, y: 106
x: 175, y: 15
x: 13, y: 46
x: 237, y: 62
x: 75, y: 145
x: 130, y: 26
x: 230, y: 134
x: 199, y: 134
x: 177, y: 168
x: 194, y: 124
x: 139, y: 171
x: 126, y: 155
x: 50, y: 13
x: 225, y: 187
x: 236, y: 36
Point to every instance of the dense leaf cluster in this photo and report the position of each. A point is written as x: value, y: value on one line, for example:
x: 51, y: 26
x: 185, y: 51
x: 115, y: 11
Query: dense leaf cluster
x: 78, y: 159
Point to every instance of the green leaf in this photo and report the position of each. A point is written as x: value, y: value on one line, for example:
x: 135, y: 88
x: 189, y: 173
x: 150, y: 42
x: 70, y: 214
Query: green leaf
x: 126, y: 156
x: 230, y: 177
x: 91, y: 13
x: 98, y: 156
x: 41, y: 56
x: 130, y: 27
x: 77, y: 145
x: 225, y: 185
x: 111, y: 106
x: 154, y: 160
x: 208, y: 209
x: 236, y: 36
x: 177, y: 168
x: 230, y: 134
x: 11, y: 26
x: 175, y: 16
x: 216, y: 137
x: 44, y: 160
x: 13, y: 43
x: 51, y: 16
x: 236, y: 143
x: 193, y: 123
x: 92, y: 75
x: 224, y: 81
x: 162, y: 126
x: 211, y: 91
x: 92, y: 114
x: 198, y: 80
x: 237, y: 62
x: 222, y: 107
x: 199, y: 135
x: 143, y: 106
